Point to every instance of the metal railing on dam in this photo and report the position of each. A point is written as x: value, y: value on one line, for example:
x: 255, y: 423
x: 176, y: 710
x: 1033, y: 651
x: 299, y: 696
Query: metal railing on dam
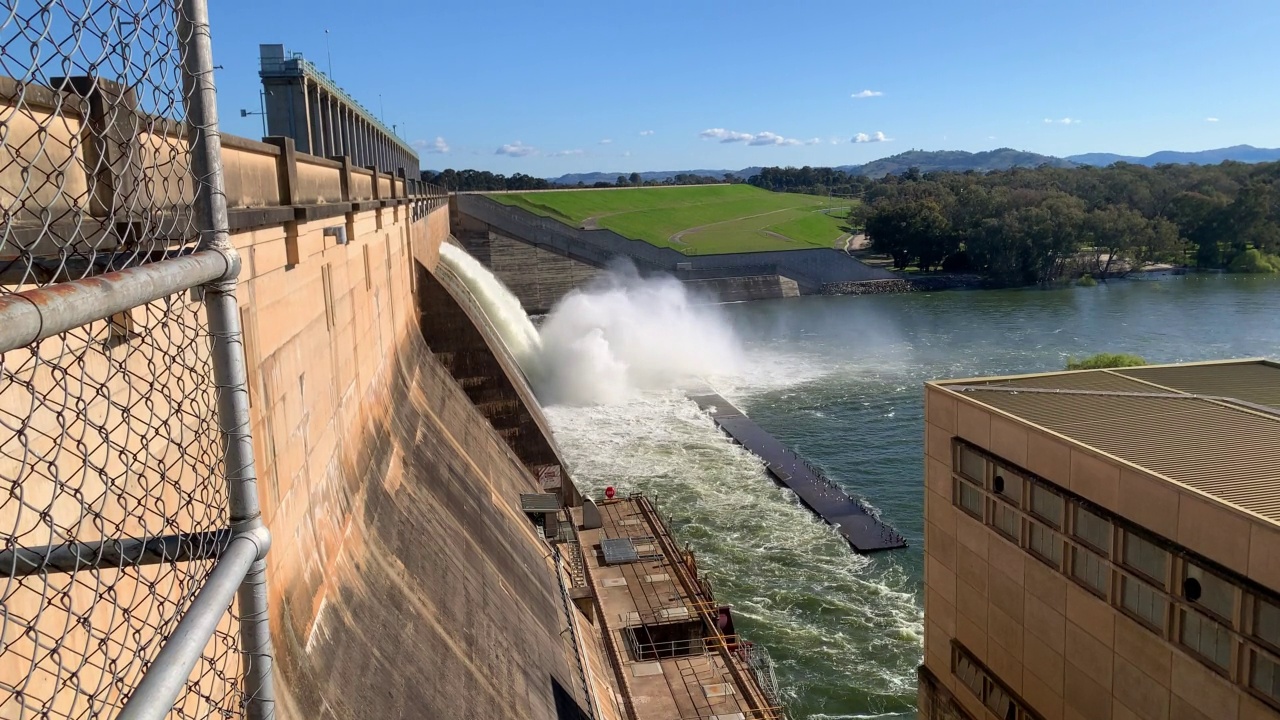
x: 134, y: 558
x: 812, y: 268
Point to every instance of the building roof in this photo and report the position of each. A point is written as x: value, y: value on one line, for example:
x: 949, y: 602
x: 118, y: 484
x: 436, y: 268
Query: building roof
x: 1213, y: 426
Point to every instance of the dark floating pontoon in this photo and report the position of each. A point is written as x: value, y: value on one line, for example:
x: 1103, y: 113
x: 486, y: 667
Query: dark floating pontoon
x: 849, y: 516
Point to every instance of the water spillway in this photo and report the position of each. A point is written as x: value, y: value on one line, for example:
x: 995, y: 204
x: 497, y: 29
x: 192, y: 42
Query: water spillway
x: 865, y: 532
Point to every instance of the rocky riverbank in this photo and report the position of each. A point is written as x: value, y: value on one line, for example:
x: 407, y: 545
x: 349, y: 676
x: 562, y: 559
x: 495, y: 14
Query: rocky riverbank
x: 902, y: 285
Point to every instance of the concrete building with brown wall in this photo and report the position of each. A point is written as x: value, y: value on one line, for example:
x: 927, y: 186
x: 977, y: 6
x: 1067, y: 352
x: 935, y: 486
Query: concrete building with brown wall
x: 1103, y: 545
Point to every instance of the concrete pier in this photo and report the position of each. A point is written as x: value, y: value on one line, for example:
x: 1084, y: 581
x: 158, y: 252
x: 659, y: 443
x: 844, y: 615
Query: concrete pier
x: 849, y: 516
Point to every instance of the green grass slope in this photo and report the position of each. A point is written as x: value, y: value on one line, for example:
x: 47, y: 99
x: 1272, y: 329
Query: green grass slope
x: 695, y: 220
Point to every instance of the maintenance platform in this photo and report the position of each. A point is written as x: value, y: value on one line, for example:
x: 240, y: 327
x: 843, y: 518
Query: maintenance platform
x: 673, y: 648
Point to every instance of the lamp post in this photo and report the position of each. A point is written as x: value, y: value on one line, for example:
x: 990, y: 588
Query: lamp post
x: 328, y: 54
x: 262, y: 110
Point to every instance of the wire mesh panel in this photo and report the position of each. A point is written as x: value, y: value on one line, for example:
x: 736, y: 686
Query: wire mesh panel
x: 108, y: 432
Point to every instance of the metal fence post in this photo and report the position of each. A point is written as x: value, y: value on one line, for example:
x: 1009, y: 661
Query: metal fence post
x: 227, y: 352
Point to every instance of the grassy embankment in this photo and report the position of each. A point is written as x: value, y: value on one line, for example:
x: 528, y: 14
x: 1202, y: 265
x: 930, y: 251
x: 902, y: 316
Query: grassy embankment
x: 696, y: 220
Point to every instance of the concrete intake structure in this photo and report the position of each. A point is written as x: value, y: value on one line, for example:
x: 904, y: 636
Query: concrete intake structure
x: 305, y: 104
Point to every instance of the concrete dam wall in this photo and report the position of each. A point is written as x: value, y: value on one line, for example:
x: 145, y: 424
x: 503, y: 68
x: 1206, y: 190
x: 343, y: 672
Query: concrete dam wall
x: 393, y: 442
x: 406, y: 580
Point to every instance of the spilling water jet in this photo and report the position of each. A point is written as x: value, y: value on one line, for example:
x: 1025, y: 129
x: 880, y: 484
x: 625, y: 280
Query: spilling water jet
x: 604, y: 344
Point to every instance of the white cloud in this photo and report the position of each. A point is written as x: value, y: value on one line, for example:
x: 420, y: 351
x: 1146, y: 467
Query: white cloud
x: 626, y: 153
x: 874, y: 137
x: 836, y: 140
x: 757, y: 139
x: 726, y: 136
x: 562, y: 153
x: 437, y: 146
x: 1211, y: 119
x: 606, y: 141
x: 991, y: 137
x: 1063, y: 121
x: 515, y: 149
x: 866, y: 94
x: 646, y: 132
x: 768, y: 138
x: 813, y: 141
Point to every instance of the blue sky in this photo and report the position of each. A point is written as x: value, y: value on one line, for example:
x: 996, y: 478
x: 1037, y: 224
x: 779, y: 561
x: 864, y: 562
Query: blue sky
x: 568, y: 86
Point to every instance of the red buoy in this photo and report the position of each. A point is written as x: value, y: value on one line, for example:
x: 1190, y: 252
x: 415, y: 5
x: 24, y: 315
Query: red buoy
x: 609, y: 492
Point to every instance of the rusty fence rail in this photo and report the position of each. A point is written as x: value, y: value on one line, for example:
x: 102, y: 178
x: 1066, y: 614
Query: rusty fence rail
x: 132, y: 575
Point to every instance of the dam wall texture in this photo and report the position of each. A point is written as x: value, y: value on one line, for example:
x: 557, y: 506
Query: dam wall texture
x: 405, y: 579
x: 393, y: 439
x: 563, y: 252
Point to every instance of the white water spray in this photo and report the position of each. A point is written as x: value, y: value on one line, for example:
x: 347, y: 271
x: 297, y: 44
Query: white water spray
x: 625, y: 334
x: 620, y: 336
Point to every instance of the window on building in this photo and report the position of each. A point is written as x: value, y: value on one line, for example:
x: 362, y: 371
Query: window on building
x: 1047, y: 505
x: 1266, y: 622
x: 1089, y: 565
x: 1093, y: 530
x: 1007, y: 486
x: 999, y: 702
x: 1265, y: 675
x: 1208, y: 638
x: 969, y: 674
x: 1091, y: 570
x: 973, y: 465
x: 985, y: 687
x: 1146, y: 557
x: 1142, y: 599
x: 1145, y: 602
x: 1045, y: 544
x: 1210, y: 592
x: 969, y: 497
x: 1006, y: 520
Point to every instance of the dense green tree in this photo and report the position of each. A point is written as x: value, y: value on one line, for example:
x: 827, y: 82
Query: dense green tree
x: 472, y: 180
x: 1103, y: 361
x: 1034, y: 225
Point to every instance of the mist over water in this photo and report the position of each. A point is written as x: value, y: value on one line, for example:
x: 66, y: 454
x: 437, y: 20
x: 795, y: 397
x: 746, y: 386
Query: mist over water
x: 624, y: 336
x: 839, y: 379
x: 618, y: 338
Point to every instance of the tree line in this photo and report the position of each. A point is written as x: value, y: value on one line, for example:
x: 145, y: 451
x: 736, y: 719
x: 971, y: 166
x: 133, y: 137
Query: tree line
x: 1026, y: 226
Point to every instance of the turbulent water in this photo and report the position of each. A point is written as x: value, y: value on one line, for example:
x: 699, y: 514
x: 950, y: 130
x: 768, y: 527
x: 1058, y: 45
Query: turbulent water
x: 839, y: 379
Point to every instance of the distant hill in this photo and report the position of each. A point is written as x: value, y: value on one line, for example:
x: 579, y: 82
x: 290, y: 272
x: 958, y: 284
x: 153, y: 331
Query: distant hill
x: 609, y: 177
x: 960, y: 161
x: 1238, y: 153
x: 955, y: 160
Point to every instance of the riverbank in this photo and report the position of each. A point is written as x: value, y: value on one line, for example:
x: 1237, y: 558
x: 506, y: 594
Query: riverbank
x: 903, y: 285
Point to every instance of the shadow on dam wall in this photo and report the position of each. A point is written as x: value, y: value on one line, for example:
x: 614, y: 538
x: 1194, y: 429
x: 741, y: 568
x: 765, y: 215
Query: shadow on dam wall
x: 442, y: 600
x: 443, y: 604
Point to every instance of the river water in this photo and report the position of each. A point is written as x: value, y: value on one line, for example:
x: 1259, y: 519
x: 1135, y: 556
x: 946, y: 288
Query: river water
x: 839, y: 380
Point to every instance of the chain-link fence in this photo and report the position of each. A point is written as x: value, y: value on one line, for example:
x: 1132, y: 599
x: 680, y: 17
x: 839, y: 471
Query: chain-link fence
x: 115, y: 506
